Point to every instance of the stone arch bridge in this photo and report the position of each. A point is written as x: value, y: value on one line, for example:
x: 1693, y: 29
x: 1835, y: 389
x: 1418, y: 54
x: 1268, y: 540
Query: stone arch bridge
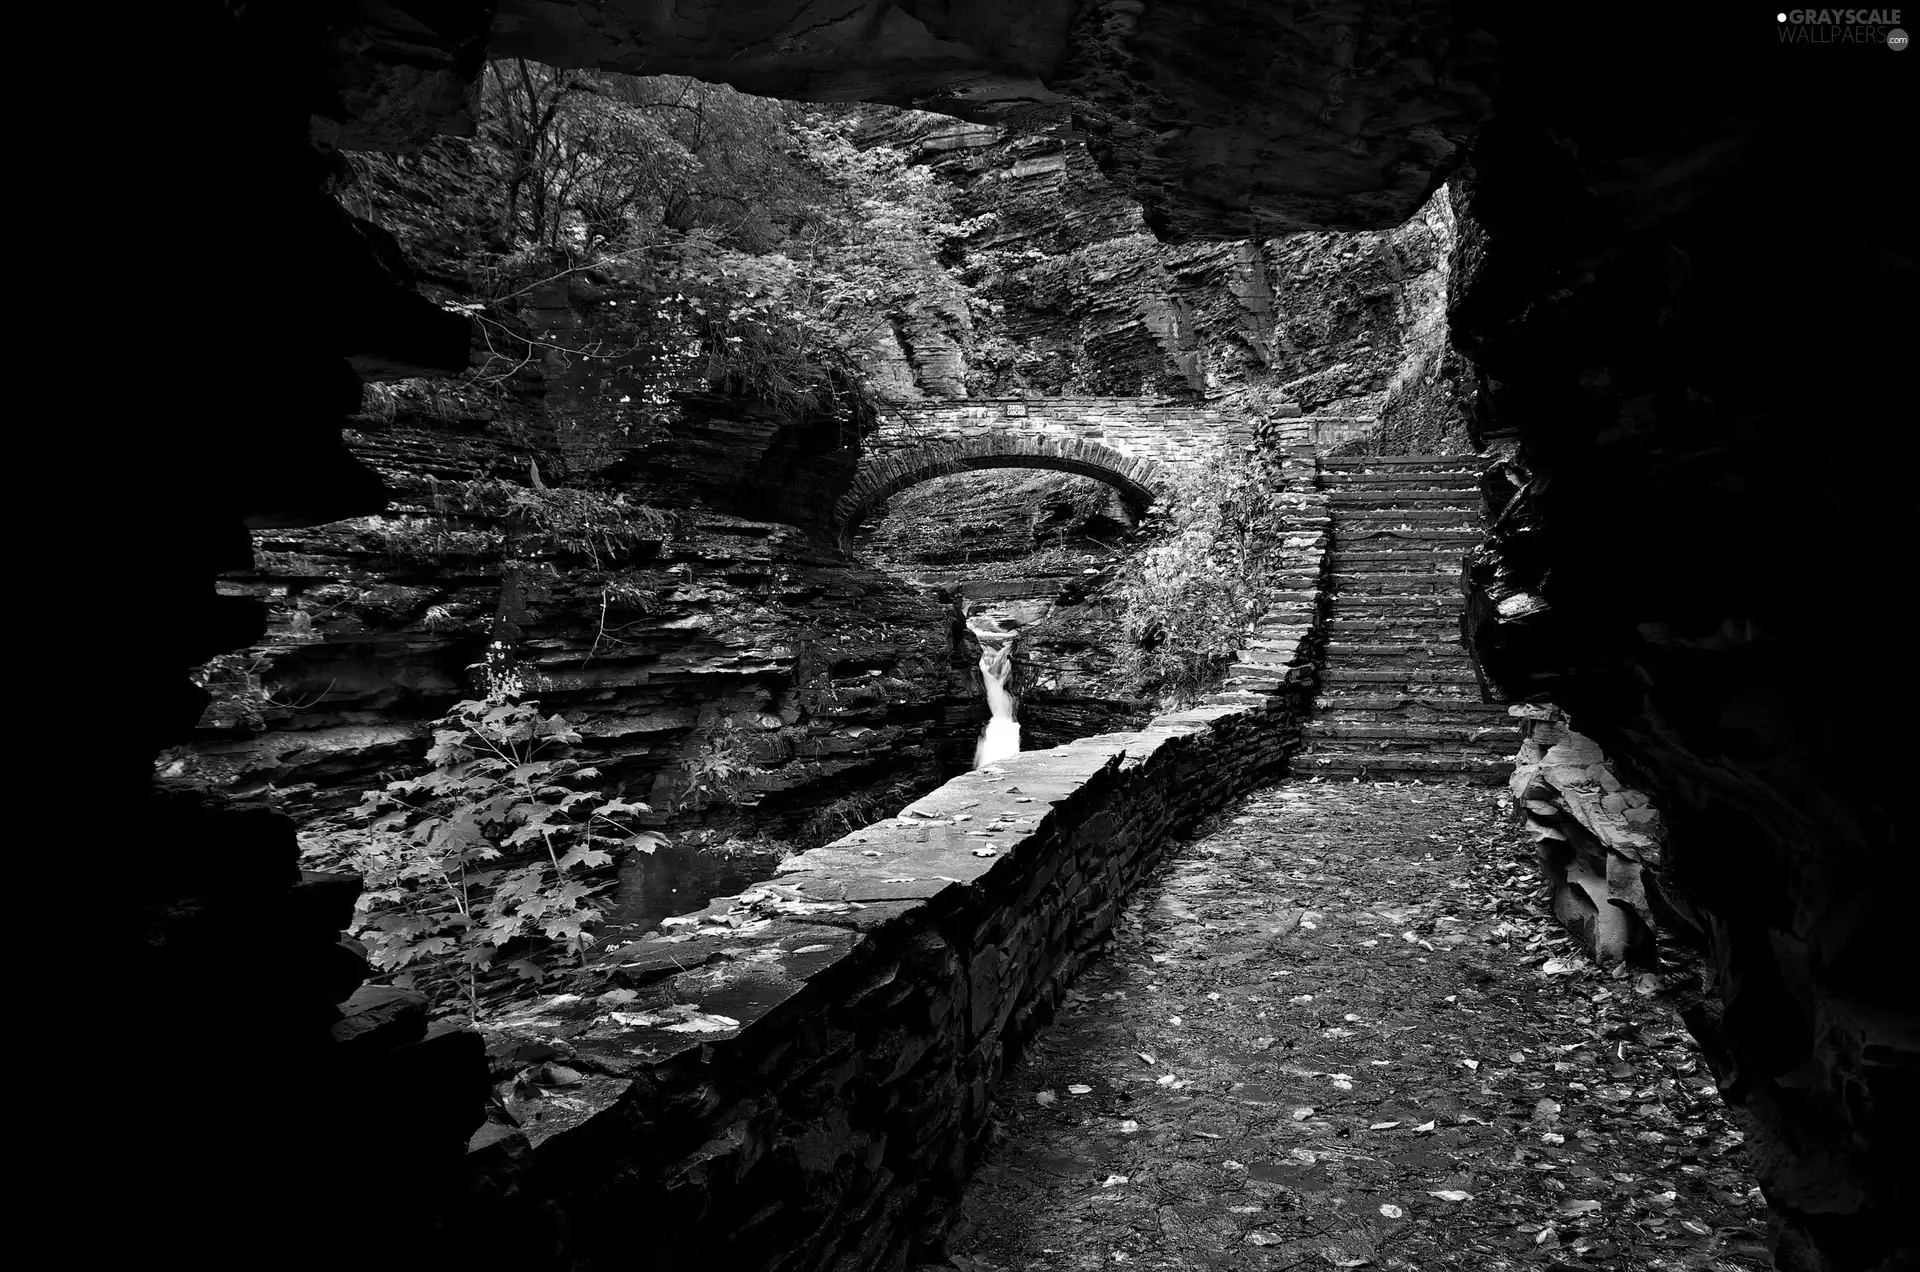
x: 1136, y: 445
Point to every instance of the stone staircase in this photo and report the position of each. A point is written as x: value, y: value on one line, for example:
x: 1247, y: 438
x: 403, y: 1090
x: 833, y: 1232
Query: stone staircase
x: 1397, y: 698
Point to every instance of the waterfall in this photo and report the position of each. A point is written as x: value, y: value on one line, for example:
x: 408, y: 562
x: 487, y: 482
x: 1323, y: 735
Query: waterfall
x: 1001, y: 736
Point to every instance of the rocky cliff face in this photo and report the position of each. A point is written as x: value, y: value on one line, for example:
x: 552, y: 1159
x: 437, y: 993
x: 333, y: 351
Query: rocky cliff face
x: 1682, y: 535
x: 1064, y: 289
x: 714, y: 641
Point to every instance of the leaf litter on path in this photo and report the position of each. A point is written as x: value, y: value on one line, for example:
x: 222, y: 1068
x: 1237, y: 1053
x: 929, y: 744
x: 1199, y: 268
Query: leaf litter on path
x: 1440, y: 1102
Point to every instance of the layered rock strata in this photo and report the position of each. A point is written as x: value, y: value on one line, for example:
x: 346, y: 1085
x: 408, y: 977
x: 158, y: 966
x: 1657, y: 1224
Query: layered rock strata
x: 1601, y: 841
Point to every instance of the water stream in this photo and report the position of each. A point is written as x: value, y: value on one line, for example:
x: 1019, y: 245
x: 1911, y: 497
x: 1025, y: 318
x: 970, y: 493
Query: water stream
x: 1001, y: 736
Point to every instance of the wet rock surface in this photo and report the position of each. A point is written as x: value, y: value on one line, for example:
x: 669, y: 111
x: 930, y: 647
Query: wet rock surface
x: 1343, y: 1028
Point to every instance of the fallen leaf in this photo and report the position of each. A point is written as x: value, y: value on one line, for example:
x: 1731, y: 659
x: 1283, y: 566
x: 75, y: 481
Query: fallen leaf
x: 1147, y: 1056
x: 1264, y: 1238
x: 703, y: 1022
x: 1577, y: 1207
x: 1425, y: 1128
x: 679, y: 1018
x: 1301, y: 1115
x: 1383, y: 1126
x: 1559, y: 967
x: 1167, y: 1080
x: 1449, y: 1194
x: 1044, y: 1098
x: 1079, y: 1088
x: 1112, y: 1180
x: 1129, y: 1127
x: 1392, y: 1211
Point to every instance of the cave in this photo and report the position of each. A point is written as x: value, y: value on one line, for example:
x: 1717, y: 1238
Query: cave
x: 1672, y: 338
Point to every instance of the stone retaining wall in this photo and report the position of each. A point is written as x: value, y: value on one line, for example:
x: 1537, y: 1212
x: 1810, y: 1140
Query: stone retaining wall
x: 800, y: 1077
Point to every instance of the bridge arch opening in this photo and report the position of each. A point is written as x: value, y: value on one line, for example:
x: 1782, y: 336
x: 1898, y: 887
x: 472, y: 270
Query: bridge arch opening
x: 1139, y: 482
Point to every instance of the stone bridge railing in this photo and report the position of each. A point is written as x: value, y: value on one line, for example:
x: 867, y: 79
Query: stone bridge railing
x: 1137, y: 445
x: 800, y: 1077
x: 1169, y: 431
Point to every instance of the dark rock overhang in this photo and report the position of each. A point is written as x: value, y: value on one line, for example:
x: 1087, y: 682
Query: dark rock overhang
x: 1224, y: 120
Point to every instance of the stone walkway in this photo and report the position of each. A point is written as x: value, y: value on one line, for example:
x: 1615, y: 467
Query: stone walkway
x: 1341, y: 1031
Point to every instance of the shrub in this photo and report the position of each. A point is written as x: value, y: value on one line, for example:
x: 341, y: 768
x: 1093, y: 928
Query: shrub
x: 1190, y: 600
x: 493, y: 847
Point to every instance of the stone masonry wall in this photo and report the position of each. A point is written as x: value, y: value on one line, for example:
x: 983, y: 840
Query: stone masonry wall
x: 1171, y: 432
x: 800, y: 1077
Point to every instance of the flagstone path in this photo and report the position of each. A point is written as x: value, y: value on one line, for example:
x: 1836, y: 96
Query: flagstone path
x: 1342, y: 1031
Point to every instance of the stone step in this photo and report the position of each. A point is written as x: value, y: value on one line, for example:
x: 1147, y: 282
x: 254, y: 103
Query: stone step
x: 1366, y: 520
x: 1435, y: 635
x: 1433, y: 605
x: 1401, y: 766
x: 1466, y: 726
x: 1341, y: 500
x: 1352, y: 623
x: 1341, y: 652
x: 1378, y: 733
x: 1499, y: 750
x: 1399, y: 675
x: 1423, y: 707
x: 1462, y: 479
x: 1450, y: 556
x: 1398, y: 582
x: 1350, y: 538
x: 1389, y: 463
x: 1346, y: 495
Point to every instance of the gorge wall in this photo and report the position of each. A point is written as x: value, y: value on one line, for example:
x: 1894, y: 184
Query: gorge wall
x: 1652, y: 335
x: 728, y: 637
